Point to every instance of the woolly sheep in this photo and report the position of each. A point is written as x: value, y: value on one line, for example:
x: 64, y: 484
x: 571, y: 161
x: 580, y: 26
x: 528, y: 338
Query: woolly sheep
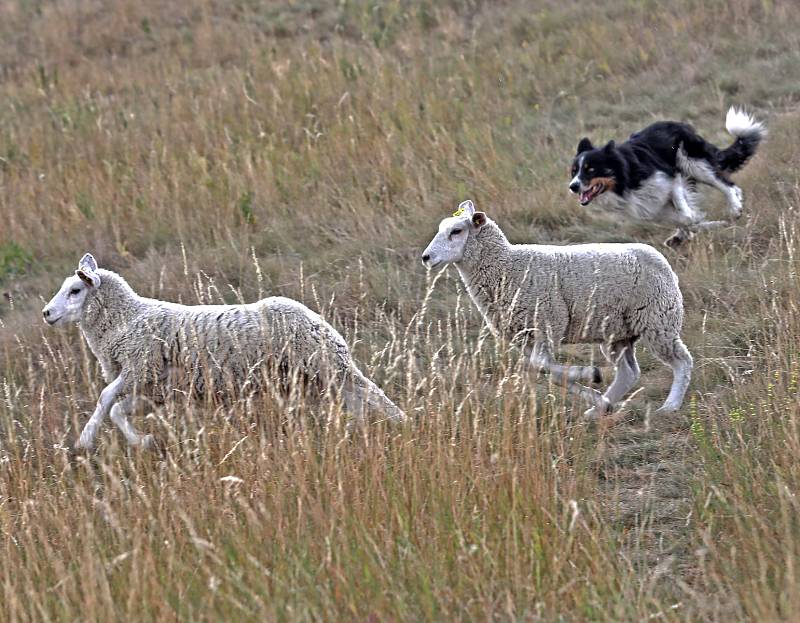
x: 540, y: 296
x: 150, y: 348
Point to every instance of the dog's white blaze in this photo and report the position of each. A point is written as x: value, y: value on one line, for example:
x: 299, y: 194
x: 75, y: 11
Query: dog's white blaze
x: 578, y: 174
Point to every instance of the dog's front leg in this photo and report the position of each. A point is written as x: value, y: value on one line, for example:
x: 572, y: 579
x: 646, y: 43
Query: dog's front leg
x: 686, y: 214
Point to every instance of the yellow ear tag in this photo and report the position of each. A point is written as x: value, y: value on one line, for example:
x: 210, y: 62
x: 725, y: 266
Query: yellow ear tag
x: 459, y: 212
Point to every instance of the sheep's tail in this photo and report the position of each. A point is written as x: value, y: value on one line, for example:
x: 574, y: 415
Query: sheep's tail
x: 361, y: 395
x: 748, y: 134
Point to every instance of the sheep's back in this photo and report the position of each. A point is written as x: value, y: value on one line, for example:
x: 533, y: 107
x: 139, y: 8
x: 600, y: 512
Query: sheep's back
x: 606, y: 291
x: 224, y: 350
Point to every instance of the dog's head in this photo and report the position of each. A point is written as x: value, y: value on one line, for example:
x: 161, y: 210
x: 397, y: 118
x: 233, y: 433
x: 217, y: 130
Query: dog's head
x: 594, y: 170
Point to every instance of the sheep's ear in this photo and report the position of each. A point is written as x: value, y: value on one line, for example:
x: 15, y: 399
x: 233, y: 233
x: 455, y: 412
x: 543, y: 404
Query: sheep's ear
x: 478, y: 220
x: 88, y: 262
x: 585, y: 145
x: 465, y: 208
x: 89, y: 277
x: 610, y: 146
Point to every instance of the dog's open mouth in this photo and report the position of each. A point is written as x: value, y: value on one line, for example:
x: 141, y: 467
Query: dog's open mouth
x: 598, y: 188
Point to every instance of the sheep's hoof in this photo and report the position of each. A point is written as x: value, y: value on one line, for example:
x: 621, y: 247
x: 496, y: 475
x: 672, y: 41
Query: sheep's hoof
x: 665, y: 409
x: 598, y: 411
x: 151, y: 444
x: 83, y: 445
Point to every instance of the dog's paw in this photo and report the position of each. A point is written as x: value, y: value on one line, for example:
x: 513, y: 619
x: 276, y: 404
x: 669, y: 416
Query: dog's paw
x: 674, y: 241
x: 737, y: 202
x: 678, y: 238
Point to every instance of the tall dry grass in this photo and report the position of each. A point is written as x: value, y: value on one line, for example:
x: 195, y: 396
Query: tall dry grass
x: 217, y: 151
x: 269, y: 511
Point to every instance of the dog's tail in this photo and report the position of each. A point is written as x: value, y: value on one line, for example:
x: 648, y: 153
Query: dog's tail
x: 748, y: 133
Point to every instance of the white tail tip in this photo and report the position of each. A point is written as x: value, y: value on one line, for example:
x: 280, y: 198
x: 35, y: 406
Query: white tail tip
x: 741, y: 124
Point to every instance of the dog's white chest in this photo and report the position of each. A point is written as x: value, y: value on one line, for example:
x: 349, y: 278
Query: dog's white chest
x: 652, y: 201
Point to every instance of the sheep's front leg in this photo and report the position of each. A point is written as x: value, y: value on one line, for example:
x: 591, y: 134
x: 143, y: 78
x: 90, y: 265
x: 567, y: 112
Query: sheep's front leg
x: 541, y: 359
x: 107, y: 398
x: 119, y: 415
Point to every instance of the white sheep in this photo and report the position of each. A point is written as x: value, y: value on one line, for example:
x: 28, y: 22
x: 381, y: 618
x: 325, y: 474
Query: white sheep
x: 540, y: 296
x: 150, y: 348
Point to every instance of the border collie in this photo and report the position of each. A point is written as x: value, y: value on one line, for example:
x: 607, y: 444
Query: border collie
x: 652, y: 175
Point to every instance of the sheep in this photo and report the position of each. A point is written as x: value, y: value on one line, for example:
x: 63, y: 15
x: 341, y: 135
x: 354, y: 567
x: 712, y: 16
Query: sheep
x: 150, y: 348
x: 540, y: 296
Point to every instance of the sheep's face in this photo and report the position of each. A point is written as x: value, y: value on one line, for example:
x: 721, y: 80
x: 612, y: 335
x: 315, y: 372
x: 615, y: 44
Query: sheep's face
x: 69, y: 302
x: 449, y: 243
x: 67, y: 305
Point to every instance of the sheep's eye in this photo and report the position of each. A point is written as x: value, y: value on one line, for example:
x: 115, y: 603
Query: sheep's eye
x: 74, y: 291
x: 456, y: 231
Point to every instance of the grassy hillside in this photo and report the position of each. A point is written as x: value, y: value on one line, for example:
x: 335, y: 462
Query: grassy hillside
x: 221, y: 151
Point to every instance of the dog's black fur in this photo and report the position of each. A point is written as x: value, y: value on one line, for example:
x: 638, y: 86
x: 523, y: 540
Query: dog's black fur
x: 652, y: 175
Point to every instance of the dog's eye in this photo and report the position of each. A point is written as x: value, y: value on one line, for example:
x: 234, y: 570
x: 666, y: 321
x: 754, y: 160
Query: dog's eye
x: 74, y: 291
x: 591, y: 169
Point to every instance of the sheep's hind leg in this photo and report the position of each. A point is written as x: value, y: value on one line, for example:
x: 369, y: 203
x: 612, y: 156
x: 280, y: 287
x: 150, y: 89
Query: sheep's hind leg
x: 360, y: 395
x: 674, y: 353
x: 540, y: 359
x: 119, y: 415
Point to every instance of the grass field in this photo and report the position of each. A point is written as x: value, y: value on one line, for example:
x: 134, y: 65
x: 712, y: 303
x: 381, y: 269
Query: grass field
x: 222, y: 151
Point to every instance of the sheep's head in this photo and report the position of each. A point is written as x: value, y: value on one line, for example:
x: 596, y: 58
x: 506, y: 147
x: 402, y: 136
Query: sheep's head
x: 68, y: 303
x: 449, y: 243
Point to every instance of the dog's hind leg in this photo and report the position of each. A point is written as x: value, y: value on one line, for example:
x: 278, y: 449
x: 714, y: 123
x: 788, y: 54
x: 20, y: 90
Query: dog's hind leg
x: 731, y: 191
x: 711, y: 224
x: 701, y: 170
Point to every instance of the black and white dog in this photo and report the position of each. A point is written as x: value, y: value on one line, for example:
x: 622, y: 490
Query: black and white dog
x: 652, y: 175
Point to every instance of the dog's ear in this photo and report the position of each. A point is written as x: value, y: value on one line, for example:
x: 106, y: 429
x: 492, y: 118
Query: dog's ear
x: 610, y: 146
x: 585, y: 145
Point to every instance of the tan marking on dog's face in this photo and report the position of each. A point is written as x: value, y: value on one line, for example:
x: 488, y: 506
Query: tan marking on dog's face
x: 608, y: 183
